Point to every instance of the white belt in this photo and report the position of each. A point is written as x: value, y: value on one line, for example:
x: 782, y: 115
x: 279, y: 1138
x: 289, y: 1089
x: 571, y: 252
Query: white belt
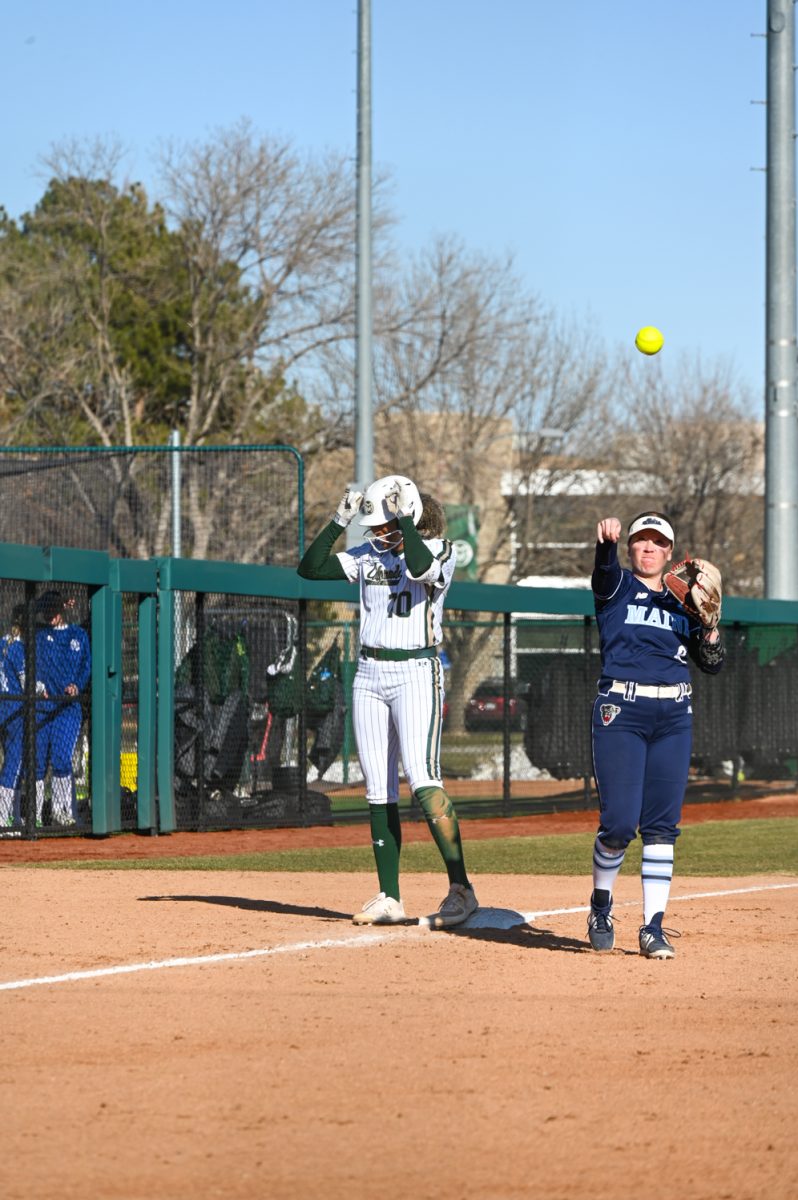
x: 671, y: 691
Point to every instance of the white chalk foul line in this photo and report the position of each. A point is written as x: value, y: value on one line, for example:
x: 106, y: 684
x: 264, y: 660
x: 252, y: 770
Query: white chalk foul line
x: 198, y: 960
x: 766, y: 887
x: 357, y: 940
x: 491, y: 918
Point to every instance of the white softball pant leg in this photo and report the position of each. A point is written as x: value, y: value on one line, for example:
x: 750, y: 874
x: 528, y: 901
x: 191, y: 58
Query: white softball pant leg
x: 397, y: 708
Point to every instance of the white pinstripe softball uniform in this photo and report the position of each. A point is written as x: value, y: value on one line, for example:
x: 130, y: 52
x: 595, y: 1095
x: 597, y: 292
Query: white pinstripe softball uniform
x: 397, y: 706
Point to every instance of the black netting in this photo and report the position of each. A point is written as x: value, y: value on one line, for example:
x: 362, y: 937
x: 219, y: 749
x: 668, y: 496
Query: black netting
x: 278, y: 747
x: 561, y: 673
x: 263, y: 731
x: 746, y: 720
x: 238, y: 702
x: 242, y: 503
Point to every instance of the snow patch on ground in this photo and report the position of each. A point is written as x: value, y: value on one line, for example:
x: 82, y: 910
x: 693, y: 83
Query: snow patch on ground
x: 490, y: 768
x: 520, y: 767
x: 335, y: 773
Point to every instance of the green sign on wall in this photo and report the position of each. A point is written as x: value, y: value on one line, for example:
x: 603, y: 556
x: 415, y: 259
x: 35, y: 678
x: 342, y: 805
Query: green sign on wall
x: 463, y: 530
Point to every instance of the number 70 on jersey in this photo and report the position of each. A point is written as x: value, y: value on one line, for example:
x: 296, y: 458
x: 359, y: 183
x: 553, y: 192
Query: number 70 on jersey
x: 399, y: 604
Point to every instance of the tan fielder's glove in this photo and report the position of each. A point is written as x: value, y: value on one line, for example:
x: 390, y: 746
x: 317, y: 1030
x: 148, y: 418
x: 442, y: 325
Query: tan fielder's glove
x: 698, y: 586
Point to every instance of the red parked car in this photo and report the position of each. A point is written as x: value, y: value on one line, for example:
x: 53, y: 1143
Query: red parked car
x: 485, y: 709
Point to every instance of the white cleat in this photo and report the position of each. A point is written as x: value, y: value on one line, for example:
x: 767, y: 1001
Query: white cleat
x: 382, y: 910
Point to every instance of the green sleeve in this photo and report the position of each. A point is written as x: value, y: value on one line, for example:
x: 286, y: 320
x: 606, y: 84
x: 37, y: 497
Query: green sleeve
x: 318, y: 561
x: 419, y: 558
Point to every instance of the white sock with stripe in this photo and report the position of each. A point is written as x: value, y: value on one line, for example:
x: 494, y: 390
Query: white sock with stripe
x: 656, y: 871
x: 606, y: 865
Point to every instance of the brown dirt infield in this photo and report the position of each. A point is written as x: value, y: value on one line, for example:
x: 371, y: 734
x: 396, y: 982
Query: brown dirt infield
x: 502, y: 1061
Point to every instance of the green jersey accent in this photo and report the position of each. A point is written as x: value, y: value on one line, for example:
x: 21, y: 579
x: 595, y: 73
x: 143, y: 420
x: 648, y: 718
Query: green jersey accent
x: 418, y: 556
x: 318, y: 562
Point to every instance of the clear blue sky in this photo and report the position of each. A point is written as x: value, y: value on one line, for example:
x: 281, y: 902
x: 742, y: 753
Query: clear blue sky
x: 607, y: 143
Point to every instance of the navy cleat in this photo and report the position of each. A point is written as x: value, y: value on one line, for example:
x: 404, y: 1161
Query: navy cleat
x: 654, y: 944
x: 600, y: 929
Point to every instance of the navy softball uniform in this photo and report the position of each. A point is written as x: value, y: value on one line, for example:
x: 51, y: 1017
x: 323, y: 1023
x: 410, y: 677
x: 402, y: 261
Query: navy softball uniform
x: 642, y: 715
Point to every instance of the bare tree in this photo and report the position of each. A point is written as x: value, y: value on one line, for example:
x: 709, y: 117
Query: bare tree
x: 698, y: 455
x: 245, y: 274
x: 267, y: 241
x: 471, y: 374
x: 560, y: 421
x: 471, y: 358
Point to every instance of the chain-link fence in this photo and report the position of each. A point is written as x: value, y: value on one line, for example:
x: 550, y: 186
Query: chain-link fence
x: 746, y: 719
x: 250, y: 695
x: 263, y: 699
x: 242, y: 503
x: 238, y: 714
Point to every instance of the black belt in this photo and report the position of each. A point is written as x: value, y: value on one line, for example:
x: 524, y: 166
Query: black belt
x: 385, y: 655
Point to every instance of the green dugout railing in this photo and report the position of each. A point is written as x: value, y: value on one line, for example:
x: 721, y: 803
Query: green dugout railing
x: 106, y: 579
x: 155, y: 585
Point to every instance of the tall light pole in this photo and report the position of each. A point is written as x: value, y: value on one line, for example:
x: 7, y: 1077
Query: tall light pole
x: 781, y: 392
x: 364, y: 425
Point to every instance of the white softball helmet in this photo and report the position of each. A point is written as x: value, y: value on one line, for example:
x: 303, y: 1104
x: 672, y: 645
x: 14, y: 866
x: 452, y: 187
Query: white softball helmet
x: 373, y: 510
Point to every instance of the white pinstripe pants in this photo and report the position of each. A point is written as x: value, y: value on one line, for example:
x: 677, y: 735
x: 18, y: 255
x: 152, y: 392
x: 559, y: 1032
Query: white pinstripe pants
x: 397, y: 709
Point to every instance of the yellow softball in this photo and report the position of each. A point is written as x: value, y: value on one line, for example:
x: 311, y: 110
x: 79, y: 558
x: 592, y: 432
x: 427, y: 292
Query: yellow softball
x: 649, y: 340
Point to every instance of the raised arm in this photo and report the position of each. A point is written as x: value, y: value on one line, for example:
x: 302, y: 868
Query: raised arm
x: 318, y: 561
x: 606, y: 568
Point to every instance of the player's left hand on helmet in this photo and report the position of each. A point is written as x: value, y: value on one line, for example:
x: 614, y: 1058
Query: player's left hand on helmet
x: 707, y: 592
x: 399, y: 501
x: 348, y: 507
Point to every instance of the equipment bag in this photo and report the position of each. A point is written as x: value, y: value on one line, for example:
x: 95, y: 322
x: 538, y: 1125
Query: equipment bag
x: 320, y: 691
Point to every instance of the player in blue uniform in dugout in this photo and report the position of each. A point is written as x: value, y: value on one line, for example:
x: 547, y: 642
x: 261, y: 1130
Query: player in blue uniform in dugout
x: 63, y: 672
x: 642, y: 719
x: 12, y: 686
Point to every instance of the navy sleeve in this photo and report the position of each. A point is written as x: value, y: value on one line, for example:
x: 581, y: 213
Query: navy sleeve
x: 607, y: 570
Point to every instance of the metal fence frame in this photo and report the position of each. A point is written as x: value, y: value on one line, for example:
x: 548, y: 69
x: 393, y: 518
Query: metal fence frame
x: 156, y: 584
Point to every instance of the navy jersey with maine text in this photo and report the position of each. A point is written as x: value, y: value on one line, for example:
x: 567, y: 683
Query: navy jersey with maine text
x: 646, y: 636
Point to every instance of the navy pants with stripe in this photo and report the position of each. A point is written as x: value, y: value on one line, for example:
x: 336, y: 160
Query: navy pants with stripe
x: 641, y: 757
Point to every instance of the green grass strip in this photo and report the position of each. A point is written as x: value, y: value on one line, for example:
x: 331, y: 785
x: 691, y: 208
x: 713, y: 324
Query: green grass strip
x: 749, y: 847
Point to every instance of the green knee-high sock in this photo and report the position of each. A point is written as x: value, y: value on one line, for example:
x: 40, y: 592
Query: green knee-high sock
x: 386, y: 841
x: 444, y: 827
